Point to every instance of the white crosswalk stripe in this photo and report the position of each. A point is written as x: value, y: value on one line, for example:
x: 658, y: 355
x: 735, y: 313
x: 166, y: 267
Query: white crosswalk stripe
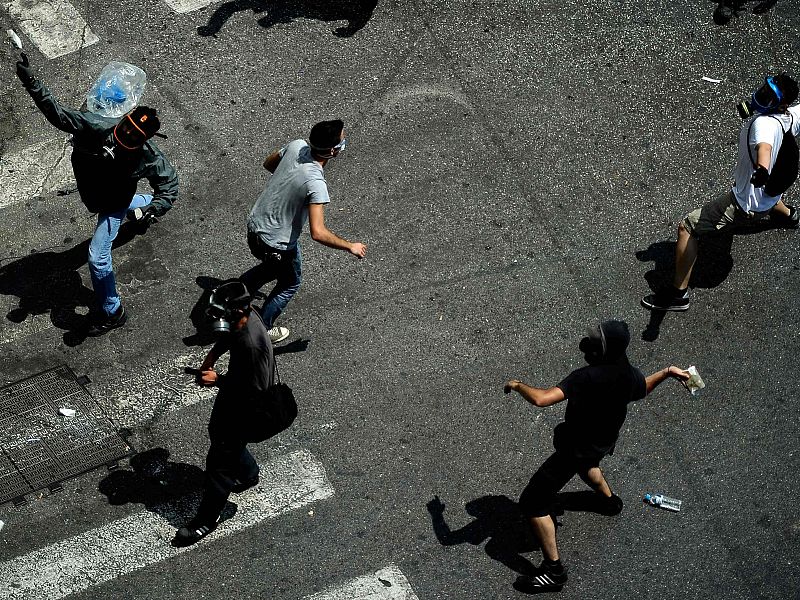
x: 35, y: 170
x: 54, y: 26
x: 184, y: 6
x: 142, y: 539
x: 388, y: 583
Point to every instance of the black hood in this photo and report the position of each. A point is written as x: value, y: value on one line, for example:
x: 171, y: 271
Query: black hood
x: 615, y: 338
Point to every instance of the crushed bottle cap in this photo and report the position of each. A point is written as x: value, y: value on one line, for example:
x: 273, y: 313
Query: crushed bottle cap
x: 66, y: 412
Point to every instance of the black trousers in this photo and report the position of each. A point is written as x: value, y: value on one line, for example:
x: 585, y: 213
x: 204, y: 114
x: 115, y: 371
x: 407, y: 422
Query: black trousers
x: 229, y: 462
x: 538, y: 497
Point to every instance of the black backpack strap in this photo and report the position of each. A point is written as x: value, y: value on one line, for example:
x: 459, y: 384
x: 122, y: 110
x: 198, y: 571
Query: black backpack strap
x: 749, y: 129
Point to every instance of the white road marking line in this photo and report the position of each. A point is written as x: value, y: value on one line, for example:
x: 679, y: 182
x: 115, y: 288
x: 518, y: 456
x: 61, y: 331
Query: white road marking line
x: 142, y: 539
x: 39, y: 168
x: 387, y: 584
x: 145, y: 394
x: 53, y: 25
x: 185, y: 6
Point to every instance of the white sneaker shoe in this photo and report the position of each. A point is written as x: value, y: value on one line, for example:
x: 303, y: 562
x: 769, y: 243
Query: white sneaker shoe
x: 278, y: 334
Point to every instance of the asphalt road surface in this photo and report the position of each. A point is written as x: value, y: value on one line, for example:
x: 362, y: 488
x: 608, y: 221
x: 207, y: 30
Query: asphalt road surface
x: 516, y: 169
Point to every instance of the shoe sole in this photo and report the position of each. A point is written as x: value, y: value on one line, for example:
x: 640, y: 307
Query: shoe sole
x: 649, y: 306
x: 280, y: 339
x: 117, y: 325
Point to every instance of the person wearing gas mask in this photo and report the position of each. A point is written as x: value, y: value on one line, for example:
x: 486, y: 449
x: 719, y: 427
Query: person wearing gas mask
x: 767, y: 166
x: 244, y: 410
x: 597, y: 403
x: 109, y: 157
x: 296, y: 193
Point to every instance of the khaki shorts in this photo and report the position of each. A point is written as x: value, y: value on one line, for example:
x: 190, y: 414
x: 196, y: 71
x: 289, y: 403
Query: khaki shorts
x: 723, y: 211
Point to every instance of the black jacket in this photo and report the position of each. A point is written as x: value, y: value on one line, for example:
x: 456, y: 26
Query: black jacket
x: 105, y: 185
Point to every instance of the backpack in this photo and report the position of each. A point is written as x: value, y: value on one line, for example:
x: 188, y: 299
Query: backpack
x: 273, y: 412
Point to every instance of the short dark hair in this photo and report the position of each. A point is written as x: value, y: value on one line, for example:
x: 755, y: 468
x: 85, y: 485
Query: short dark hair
x: 326, y: 134
x: 788, y: 87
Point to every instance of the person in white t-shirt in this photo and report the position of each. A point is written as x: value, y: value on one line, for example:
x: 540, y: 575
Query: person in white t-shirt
x: 296, y: 193
x: 767, y: 166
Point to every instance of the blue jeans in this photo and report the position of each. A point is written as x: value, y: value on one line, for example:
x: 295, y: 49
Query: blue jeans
x: 100, y: 267
x: 287, y: 274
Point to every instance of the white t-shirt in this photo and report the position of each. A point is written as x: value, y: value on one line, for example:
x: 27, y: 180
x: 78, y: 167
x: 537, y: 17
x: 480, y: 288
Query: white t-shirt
x: 281, y: 211
x: 766, y: 129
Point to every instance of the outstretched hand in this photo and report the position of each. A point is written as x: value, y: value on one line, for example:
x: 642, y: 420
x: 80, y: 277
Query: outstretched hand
x: 358, y: 249
x: 681, y: 375
x: 510, y: 386
x: 24, y: 70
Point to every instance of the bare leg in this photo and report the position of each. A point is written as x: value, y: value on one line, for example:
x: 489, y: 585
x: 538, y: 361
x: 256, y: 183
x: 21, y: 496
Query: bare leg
x: 595, y: 479
x: 545, y: 530
x: 781, y: 209
x: 685, y: 255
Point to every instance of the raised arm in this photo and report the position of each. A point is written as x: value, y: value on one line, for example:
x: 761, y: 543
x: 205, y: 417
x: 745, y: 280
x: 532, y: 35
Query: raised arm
x: 65, y: 119
x: 537, y: 396
x: 652, y: 381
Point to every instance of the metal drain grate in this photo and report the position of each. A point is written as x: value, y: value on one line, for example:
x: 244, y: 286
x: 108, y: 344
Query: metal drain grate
x: 40, y: 448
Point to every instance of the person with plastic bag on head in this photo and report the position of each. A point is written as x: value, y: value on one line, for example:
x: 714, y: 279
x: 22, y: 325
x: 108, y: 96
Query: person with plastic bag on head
x: 110, y: 155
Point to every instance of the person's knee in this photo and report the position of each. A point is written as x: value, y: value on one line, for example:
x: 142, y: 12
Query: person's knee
x: 99, y: 261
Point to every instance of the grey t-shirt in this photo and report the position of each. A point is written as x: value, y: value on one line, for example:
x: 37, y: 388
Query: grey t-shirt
x: 281, y: 210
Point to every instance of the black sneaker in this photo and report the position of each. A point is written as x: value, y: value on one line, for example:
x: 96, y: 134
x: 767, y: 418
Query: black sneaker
x: 790, y: 222
x: 612, y: 506
x: 545, y: 580
x: 667, y: 301
x: 106, y: 323
x: 191, y: 534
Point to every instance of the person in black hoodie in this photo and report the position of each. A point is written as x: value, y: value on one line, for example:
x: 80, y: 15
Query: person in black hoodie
x: 597, y: 403
x: 110, y: 155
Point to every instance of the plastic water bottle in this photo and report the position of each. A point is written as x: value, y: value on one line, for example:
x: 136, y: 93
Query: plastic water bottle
x: 663, y: 501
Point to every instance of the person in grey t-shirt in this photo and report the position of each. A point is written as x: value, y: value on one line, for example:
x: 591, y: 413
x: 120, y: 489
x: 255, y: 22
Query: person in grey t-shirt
x: 295, y: 193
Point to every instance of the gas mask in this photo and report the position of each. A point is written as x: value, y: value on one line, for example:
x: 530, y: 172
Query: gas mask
x: 226, y: 305
x: 765, y: 100
x: 131, y: 133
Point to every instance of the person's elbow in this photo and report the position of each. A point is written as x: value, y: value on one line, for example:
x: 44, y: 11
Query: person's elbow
x: 318, y: 234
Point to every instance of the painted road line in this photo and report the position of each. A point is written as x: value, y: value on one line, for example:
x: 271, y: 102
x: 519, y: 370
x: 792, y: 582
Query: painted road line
x: 146, y: 394
x: 142, y: 539
x: 54, y: 26
x: 185, y: 6
x: 387, y: 584
x: 37, y: 169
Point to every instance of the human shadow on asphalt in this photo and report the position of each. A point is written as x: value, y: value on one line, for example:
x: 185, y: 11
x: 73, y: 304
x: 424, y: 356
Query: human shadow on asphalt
x: 498, y: 521
x: 357, y: 13
x: 171, y: 490
x: 49, y: 281
x: 713, y: 265
x: 720, y: 17
x: 203, y: 336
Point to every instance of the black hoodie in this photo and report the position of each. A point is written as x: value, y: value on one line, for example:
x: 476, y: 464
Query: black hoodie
x: 598, y: 396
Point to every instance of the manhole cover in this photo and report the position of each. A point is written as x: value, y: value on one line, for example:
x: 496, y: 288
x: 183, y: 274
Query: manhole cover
x: 40, y: 447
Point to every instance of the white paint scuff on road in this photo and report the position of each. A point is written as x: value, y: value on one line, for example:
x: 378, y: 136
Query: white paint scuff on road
x: 387, y: 584
x: 37, y: 169
x: 185, y: 6
x: 54, y: 26
x: 142, y: 539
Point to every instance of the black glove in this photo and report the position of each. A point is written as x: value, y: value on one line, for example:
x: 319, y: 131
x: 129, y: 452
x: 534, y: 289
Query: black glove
x: 760, y: 176
x: 24, y: 71
x: 144, y: 217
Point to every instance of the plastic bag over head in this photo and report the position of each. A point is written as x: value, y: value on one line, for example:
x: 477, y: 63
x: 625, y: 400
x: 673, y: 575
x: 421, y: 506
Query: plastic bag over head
x: 117, y: 90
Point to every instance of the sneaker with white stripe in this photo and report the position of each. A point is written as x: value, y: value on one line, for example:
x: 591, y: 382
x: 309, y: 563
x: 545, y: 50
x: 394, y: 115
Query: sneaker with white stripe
x: 545, y: 580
